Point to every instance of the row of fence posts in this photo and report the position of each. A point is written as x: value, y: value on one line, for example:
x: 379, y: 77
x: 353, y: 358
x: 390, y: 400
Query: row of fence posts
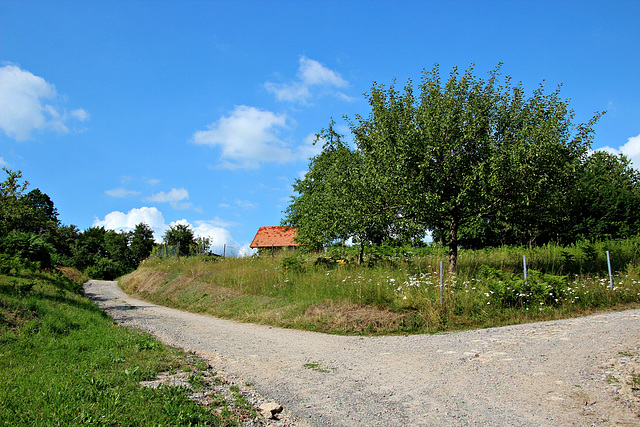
x: 524, y: 264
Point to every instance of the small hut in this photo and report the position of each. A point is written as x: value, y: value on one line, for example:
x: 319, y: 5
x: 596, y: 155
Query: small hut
x: 273, y: 239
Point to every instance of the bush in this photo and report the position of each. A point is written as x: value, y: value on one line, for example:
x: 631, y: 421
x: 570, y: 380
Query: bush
x: 511, y: 290
x: 293, y: 263
x: 106, y: 269
x: 29, y: 247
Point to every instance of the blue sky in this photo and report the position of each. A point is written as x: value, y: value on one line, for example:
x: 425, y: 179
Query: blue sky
x: 203, y: 112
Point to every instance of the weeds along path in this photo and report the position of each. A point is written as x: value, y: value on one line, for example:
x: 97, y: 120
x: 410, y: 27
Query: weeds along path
x: 569, y: 372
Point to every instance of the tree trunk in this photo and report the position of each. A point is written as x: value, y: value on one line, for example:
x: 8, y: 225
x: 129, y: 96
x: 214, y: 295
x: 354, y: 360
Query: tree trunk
x: 361, y: 254
x: 453, y: 245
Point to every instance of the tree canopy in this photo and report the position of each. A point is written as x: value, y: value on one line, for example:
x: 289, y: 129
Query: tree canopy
x: 475, y: 161
x: 180, y: 235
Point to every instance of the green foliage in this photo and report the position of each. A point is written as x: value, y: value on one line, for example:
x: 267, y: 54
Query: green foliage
x: 511, y: 290
x: 28, y: 247
x: 607, y: 204
x: 14, y: 264
x: 475, y: 161
x: 141, y: 243
x: 32, y: 212
x: 106, y: 269
x: 180, y: 235
x: 293, y: 263
x: 340, y: 198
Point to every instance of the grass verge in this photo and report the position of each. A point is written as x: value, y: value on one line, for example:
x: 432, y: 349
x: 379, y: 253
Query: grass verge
x: 397, y: 291
x: 64, y: 362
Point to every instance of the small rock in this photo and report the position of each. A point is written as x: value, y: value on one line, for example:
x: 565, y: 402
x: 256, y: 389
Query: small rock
x: 270, y: 410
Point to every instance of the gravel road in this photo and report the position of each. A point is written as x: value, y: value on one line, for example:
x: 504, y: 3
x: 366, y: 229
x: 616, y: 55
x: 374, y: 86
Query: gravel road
x: 568, y: 372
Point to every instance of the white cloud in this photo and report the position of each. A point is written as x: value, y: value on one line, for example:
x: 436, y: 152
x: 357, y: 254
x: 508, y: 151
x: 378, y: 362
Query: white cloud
x: 217, y: 222
x: 3, y: 163
x: 80, y: 114
x: 246, y: 204
x: 290, y: 92
x: 213, y: 229
x: 311, y: 74
x: 631, y: 149
x: 24, y: 107
x: 345, y: 97
x: 247, y: 137
x: 219, y: 237
x: 246, y: 251
x: 314, y: 73
x: 221, y: 241
x: 174, y: 196
x: 121, y: 192
x: 120, y: 221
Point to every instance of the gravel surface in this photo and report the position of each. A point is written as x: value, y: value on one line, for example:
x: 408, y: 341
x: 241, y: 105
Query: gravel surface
x: 568, y: 372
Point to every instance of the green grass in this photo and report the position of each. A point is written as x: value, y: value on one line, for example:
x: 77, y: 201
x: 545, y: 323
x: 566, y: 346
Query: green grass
x: 64, y: 362
x: 397, y: 290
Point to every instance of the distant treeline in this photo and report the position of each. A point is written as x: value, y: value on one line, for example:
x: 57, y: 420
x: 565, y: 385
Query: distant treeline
x: 32, y: 237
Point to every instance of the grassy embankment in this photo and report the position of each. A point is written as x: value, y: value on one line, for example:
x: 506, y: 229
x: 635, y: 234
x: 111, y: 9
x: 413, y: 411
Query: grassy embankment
x: 398, y: 290
x: 64, y: 362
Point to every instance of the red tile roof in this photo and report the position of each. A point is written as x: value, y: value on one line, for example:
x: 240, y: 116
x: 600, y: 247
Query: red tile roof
x: 274, y: 236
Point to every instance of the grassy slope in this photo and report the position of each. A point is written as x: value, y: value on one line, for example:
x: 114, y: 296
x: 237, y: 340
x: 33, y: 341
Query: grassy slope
x: 399, y: 295
x: 64, y: 362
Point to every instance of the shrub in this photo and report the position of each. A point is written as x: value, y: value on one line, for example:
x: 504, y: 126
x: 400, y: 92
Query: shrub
x: 293, y: 264
x: 511, y: 290
x: 106, y: 269
x: 29, y: 247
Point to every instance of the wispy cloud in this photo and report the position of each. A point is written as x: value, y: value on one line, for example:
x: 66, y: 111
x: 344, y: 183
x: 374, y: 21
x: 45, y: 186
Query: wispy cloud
x: 246, y: 204
x: 217, y: 222
x: 27, y: 103
x: 174, y: 197
x: 311, y: 74
x: 121, y: 192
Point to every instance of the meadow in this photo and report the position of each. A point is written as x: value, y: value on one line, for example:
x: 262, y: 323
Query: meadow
x: 398, y: 290
x: 65, y: 362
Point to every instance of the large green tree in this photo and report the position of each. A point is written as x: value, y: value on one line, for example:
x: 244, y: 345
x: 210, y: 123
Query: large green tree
x: 470, y: 159
x: 469, y: 153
